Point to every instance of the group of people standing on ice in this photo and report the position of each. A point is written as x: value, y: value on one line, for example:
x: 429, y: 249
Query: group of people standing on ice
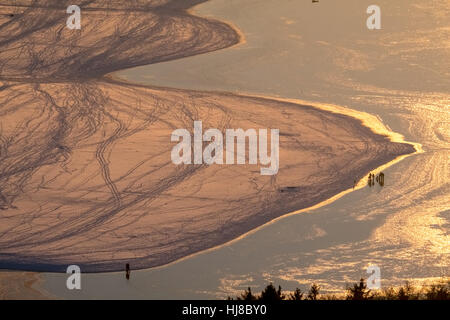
x: 372, y: 179
x: 376, y: 178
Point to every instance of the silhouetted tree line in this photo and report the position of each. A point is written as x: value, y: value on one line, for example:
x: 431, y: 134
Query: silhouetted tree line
x: 358, y: 291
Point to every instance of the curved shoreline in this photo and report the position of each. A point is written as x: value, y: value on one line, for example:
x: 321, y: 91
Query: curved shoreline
x: 147, y: 93
x: 273, y: 220
x: 364, y: 117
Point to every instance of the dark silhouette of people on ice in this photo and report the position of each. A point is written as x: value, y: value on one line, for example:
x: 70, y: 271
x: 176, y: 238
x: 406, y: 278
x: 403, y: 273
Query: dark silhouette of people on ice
x: 379, y: 178
x: 370, y: 181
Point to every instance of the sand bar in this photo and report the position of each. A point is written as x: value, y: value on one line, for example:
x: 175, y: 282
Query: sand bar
x: 86, y: 176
